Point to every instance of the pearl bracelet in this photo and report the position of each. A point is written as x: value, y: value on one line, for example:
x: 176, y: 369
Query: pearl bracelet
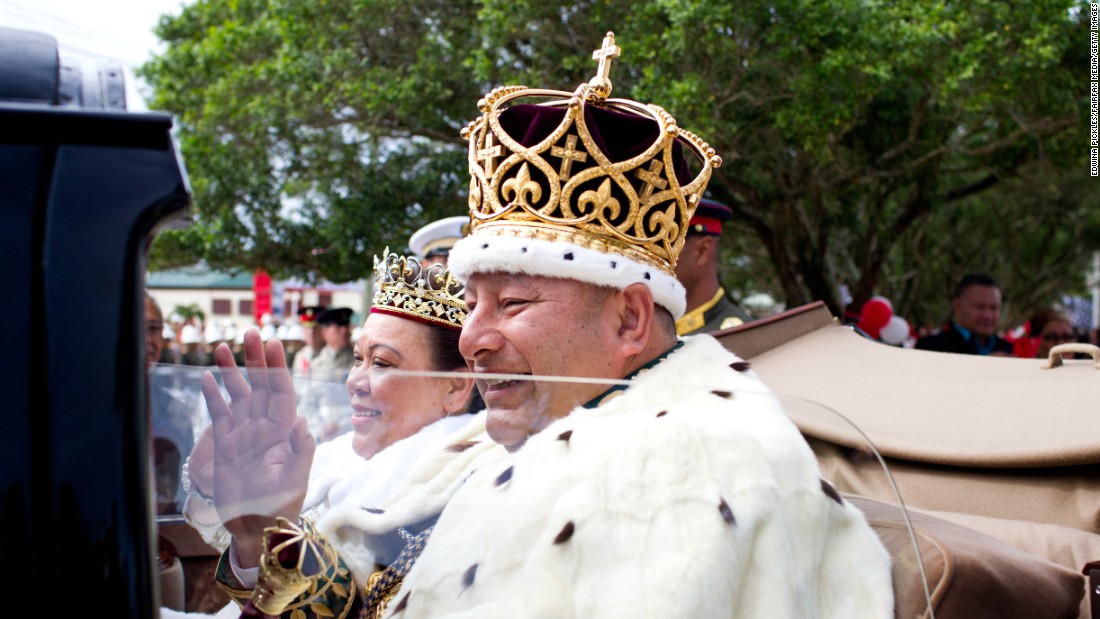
x: 188, y: 488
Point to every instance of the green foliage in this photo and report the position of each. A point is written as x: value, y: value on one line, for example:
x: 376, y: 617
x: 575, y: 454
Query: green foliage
x: 886, y: 146
x: 187, y: 312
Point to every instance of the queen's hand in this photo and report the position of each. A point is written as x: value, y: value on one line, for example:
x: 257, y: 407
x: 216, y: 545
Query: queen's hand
x: 262, y: 449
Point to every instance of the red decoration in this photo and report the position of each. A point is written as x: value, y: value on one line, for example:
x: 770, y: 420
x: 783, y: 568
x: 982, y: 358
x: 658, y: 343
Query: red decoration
x: 875, y: 315
x: 261, y: 288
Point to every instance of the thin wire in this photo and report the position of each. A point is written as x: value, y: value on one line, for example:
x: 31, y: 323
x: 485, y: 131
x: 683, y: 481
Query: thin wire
x: 897, y: 494
x: 530, y: 377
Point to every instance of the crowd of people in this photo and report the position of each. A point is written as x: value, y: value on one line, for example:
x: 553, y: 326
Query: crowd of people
x: 192, y: 340
x: 974, y: 327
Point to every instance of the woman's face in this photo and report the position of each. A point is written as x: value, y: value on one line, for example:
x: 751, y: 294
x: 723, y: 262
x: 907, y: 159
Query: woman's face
x: 387, y: 407
x: 1054, y: 333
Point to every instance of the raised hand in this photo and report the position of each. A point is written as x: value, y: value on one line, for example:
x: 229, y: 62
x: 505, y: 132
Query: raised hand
x: 263, y: 449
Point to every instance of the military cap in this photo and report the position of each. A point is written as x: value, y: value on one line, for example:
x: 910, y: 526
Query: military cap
x: 709, y: 217
x: 438, y: 237
x: 308, y: 315
x: 340, y: 316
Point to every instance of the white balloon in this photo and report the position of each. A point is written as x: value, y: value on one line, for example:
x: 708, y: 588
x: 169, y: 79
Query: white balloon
x: 895, y: 331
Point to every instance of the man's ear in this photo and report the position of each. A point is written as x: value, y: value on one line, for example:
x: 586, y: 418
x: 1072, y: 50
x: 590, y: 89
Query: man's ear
x: 694, y: 252
x: 636, y: 318
x: 708, y: 248
x: 458, y: 393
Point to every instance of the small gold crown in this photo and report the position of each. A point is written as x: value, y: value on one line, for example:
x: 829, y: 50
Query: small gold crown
x: 402, y: 286
x: 565, y: 188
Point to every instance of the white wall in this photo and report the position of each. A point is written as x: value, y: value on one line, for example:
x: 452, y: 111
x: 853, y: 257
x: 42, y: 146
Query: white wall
x: 169, y: 298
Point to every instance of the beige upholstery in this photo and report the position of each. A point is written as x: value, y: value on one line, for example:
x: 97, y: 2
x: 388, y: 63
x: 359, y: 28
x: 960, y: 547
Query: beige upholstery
x: 1002, y: 455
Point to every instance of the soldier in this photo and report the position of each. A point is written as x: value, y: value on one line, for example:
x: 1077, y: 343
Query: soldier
x: 328, y: 371
x: 709, y: 308
x: 307, y: 316
x: 193, y: 351
x: 335, y: 326
x: 433, y: 242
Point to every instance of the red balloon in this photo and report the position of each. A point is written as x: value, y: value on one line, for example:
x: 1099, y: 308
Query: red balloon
x: 876, y: 313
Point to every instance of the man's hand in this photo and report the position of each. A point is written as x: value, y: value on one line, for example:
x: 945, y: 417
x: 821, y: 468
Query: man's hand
x: 263, y: 450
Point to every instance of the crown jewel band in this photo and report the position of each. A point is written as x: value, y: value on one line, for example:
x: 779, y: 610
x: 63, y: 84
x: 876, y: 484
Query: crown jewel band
x: 403, y: 286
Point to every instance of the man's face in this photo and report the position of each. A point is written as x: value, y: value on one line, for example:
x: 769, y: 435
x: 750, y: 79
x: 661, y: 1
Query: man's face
x: 520, y: 324
x: 687, y: 266
x: 434, y: 259
x: 313, y: 337
x: 978, y: 309
x: 336, y: 336
x: 154, y: 333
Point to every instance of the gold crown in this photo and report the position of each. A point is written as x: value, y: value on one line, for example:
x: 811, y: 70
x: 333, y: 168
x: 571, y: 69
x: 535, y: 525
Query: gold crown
x: 403, y: 286
x: 565, y: 188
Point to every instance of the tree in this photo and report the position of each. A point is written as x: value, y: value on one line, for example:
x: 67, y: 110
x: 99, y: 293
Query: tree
x: 315, y: 133
x: 858, y: 136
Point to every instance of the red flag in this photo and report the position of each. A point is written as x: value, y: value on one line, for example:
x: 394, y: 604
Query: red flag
x: 261, y: 288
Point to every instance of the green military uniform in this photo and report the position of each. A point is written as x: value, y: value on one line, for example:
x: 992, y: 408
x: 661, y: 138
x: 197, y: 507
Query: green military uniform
x: 718, y: 313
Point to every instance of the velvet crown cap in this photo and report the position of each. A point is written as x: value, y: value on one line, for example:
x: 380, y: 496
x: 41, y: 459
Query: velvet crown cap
x: 580, y: 186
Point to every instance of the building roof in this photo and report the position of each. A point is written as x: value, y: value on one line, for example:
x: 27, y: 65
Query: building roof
x: 198, y: 276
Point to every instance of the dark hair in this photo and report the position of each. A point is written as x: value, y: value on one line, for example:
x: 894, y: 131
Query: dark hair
x: 1040, y: 320
x: 444, y: 348
x: 974, y: 279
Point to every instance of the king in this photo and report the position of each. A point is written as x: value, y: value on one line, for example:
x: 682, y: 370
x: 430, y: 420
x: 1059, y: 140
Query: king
x: 678, y: 487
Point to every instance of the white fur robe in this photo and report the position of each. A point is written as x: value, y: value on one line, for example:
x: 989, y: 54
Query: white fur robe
x: 360, y: 522
x: 689, y: 495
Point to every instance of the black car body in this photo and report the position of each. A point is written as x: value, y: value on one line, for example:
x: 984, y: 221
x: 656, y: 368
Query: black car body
x: 83, y: 185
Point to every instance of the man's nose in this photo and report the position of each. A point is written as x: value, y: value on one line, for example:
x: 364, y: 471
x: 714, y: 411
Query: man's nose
x: 480, y: 334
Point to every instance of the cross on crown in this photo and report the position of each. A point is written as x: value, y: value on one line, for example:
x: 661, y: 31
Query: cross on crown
x: 601, y: 84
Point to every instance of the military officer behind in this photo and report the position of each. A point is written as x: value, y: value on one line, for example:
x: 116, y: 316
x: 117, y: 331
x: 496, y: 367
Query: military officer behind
x: 709, y: 307
x: 335, y: 326
x: 325, y: 402
x: 311, y: 333
x: 432, y: 243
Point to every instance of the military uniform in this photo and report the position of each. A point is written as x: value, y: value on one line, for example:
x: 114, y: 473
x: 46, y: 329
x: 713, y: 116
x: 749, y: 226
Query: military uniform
x: 718, y: 312
x: 324, y: 400
x: 714, y: 315
x: 330, y: 360
x: 303, y: 360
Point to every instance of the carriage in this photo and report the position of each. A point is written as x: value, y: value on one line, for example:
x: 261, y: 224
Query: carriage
x: 994, y: 458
